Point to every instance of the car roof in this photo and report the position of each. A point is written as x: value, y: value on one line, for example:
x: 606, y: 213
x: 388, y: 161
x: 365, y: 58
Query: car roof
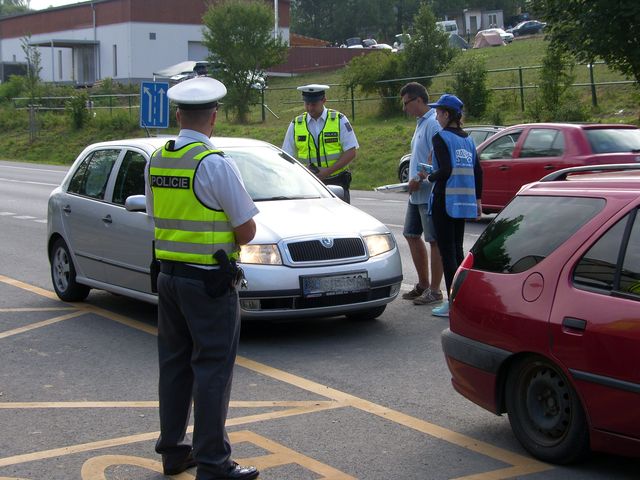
x: 577, y: 126
x: 587, y: 179
x: 153, y: 143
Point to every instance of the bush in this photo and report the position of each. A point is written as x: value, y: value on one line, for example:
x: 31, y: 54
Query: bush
x: 12, y: 88
x: 366, y: 71
x: 77, y: 110
x: 117, y: 121
x: 470, y: 84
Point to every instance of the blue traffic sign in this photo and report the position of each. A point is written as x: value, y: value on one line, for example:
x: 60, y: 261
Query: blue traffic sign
x: 154, y: 105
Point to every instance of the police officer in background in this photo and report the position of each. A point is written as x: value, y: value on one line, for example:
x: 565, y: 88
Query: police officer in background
x: 323, y: 139
x: 202, y: 213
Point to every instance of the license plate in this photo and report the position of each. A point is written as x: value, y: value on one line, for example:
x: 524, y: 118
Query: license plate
x: 324, y: 285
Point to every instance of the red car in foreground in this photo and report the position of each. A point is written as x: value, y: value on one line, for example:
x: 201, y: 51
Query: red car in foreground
x: 545, y: 315
x: 523, y: 154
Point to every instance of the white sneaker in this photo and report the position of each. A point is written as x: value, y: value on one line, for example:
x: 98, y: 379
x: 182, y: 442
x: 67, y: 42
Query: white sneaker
x: 441, y: 311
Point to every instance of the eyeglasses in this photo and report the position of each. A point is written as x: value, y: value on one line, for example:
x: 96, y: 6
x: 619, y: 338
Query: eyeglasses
x: 409, y: 101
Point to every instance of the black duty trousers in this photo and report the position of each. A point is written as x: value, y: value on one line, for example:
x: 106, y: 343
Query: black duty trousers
x: 197, y: 344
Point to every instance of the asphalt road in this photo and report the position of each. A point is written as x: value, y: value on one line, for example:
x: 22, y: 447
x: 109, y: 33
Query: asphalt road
x: 320, y: 398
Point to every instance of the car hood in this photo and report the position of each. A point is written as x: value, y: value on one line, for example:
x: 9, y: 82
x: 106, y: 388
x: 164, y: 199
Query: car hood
x: 285, y: 219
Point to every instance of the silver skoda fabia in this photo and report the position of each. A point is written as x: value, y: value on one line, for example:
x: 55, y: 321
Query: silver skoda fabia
x: 313, y: 254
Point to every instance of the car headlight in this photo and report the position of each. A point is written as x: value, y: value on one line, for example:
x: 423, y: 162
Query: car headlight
x: 379, y: 243
x: 260, y: 254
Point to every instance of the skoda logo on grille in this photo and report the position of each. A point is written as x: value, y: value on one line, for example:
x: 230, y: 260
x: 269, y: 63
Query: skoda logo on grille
x: 326, y: 242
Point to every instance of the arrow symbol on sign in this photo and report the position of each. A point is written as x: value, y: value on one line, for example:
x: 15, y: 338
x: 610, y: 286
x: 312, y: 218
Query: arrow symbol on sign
x: 161, y: 92
x: 146, y: 91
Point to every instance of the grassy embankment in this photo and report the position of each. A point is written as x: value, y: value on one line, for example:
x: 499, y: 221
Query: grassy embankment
x: 382, y: 140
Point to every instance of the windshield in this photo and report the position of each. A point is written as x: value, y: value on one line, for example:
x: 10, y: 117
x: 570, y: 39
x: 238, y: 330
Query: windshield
x: 614, y: 140
x: 269, y: 174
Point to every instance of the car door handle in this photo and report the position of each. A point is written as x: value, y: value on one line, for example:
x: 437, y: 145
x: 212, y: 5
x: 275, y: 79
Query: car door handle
x: 66, y: 209
x: 549, y: 167
x: 503, y: 167
x: 107, y: 219
x: 574, y: 324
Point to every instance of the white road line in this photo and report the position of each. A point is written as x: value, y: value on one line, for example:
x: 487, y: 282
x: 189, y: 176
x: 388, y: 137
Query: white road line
x: 41, y: 221
x: 24, y: 217
x: 33, y: 169
x: 393, y: 225
x: 4, y: 214
x: 31, y: 183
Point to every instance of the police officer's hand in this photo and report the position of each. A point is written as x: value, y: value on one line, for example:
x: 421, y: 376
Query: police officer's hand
x: 323, y: 173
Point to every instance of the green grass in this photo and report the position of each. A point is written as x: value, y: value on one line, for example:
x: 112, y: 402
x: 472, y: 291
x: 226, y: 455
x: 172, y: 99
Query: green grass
x: 383, y: 140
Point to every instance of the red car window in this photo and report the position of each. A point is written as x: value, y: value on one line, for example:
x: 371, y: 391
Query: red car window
x: 543, y: 142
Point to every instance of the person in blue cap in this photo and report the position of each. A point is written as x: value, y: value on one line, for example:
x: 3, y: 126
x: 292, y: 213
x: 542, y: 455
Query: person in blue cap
x: 202, y: 214
x: 457, y: 189
x: 322, y: 139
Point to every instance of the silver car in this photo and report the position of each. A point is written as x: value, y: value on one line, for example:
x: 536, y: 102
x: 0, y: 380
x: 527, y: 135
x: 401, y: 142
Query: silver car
x: 313, y: 254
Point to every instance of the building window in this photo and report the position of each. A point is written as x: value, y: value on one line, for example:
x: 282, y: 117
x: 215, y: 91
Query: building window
x: 60, y: 64
x: 493, y: 20
x: 115, y: 61
x: 152, y: 35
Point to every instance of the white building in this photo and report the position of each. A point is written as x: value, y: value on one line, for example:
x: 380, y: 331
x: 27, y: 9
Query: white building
x: 127, y: 40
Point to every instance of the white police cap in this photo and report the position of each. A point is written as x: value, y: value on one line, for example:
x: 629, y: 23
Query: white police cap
x: 313, y: 92
x: 197, y: 93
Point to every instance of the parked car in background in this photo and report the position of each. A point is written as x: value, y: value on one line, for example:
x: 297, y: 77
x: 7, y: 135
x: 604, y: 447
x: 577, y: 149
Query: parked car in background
x: 521, y: 154
x: 529, y: 27
x: 505, y: 36
x: 448, y: 26
x: 353, y: 42
x: 313, y: 254
x: 401, y: 40
x: 479, y: 133
x: 544, y: 321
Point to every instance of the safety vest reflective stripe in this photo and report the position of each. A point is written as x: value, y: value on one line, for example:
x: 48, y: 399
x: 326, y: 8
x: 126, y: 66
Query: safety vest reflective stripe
x: 329, y: 145
x: 185, y: 229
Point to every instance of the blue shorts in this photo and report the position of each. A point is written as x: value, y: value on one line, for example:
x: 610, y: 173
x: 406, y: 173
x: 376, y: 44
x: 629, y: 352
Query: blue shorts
x: 418, y: 221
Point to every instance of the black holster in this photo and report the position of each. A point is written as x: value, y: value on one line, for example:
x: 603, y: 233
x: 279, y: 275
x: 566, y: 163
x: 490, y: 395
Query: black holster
x: 226, y: 278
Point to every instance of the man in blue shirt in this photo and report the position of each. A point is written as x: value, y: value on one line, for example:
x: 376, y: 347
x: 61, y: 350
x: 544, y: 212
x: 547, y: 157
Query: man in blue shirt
x: 418, y: 220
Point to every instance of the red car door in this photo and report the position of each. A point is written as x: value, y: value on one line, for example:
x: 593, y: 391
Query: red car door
x: 541, y: 151
x: 496, y: 160
x: 595, y: 325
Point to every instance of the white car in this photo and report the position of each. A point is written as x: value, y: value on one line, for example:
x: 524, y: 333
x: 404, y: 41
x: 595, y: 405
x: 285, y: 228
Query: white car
x: 505, y: 36
x: 313, y: 254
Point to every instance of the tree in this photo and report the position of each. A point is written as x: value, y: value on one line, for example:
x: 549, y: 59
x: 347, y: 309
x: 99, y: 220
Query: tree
x: 34, y: 67
x: 239, y: 36
x: 8, y: 7
x: 592, y: 29
x: 428, y: 52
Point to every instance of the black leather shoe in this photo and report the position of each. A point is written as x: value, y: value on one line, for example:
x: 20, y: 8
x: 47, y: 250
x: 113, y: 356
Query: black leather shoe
x: 179, y: 467
x: 236, y: 472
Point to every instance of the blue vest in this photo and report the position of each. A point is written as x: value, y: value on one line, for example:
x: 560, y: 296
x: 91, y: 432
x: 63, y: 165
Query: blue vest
x: 460, y: 191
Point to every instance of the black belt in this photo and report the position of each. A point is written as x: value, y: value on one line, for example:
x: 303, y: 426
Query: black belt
x: 187, y: 271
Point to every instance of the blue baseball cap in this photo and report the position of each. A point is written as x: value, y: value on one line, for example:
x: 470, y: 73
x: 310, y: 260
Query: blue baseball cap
x: 448, y: 101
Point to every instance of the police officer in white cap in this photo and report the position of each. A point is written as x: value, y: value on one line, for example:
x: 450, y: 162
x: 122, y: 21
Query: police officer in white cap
x: 202, y: 213
x: 323, y: 139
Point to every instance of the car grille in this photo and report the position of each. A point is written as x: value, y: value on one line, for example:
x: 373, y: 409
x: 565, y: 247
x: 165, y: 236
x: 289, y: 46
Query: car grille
x: 314, y: 250
x: 299, y: 303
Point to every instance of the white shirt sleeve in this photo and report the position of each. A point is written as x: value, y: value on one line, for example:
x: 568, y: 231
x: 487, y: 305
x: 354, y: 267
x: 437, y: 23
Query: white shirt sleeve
x: 347, y: 135
x: 218, y: 185
x: 289, y: 145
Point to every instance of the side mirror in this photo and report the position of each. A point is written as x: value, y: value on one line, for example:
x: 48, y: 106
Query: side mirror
x: 136, y: 203
x: 337, y: 190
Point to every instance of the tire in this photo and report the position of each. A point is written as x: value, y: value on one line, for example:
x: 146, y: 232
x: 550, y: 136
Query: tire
x: 63, y: 274
x: 545, y: 413
x: 365, y: 315
x: 403, y: 172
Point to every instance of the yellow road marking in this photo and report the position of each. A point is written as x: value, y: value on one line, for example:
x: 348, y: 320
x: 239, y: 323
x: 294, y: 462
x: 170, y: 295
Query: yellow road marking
x: 43, y: 309
x: 29, y: 288
x: 520, y: 464
x: 44, y: 323
x: 154, y: 404
x: 95, y: 468
x: 143, y: 437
